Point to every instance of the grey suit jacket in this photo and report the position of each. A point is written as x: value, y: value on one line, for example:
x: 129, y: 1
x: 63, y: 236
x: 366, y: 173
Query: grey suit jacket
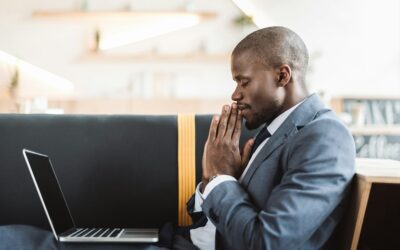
x: 292, y: 195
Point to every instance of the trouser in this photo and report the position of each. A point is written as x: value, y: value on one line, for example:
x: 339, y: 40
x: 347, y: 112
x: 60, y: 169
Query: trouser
x: 29, y: 237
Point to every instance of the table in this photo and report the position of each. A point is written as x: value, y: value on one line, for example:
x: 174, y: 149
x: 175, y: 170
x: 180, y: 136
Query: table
x: 372, y: 220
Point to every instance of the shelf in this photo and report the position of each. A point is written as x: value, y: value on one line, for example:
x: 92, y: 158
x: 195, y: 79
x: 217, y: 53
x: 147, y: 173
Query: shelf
x: 117, y: 15
x: 366, y: 97
x: 376, y: 130
x: 158, y: 58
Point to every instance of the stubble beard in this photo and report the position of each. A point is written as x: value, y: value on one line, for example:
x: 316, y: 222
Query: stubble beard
x: 258, y: 120
x: 267, y: 114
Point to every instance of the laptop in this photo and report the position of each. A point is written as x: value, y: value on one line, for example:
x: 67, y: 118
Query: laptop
x: 59, y: 216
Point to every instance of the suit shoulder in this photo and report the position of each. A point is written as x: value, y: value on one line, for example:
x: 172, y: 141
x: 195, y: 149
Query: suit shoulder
x: 325, y: 122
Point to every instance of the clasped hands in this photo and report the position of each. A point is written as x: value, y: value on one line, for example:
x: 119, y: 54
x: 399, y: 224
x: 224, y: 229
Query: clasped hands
x: 222, y: 155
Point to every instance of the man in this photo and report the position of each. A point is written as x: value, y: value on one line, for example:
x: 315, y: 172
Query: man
x: 286, y: 189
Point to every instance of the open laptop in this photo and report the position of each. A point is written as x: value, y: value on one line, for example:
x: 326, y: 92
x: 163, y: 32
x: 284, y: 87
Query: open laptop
x: 59, y: 216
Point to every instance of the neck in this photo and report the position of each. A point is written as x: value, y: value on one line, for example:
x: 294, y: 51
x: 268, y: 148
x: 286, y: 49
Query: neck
x: 293, y: 95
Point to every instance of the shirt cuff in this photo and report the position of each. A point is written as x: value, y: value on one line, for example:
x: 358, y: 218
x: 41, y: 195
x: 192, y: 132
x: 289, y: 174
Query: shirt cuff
x: 198, y: 199
x: 215, y: 182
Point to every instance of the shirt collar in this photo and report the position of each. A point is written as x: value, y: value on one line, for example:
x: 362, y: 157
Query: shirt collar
x: 277, y: 122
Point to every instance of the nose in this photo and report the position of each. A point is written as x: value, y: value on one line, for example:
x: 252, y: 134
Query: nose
x: 237, y: 94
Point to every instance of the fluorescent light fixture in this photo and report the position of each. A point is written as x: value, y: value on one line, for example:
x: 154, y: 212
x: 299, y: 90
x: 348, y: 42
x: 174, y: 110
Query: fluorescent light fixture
x: 8, y: 59
x: 148, y: 30
x: 34, y: 78
x: 251, y: 10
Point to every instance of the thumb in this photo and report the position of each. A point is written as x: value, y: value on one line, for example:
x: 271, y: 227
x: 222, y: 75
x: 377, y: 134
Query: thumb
x: 246, y: 152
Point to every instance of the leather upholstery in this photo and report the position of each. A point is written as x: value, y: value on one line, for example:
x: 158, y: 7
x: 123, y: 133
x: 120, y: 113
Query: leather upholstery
x: 114, y: 170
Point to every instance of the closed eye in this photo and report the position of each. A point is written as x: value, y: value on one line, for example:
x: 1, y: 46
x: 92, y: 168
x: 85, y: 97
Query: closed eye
x: 244, y: 82
x: 241, y: 81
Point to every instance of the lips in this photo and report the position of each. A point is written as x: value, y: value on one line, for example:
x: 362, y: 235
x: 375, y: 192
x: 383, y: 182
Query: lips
x: 245, y: 112
x: 242, y: 106
x: 244, y: 109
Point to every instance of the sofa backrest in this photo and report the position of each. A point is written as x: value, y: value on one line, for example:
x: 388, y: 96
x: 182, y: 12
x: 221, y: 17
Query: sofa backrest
x: 114, y: 170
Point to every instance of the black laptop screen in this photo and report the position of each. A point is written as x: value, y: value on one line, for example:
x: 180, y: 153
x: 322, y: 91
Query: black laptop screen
x: 51, y: 192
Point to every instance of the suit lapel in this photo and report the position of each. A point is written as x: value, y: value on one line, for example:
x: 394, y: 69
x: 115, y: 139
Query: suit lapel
x: 295, y: 121
x: 276, y: 140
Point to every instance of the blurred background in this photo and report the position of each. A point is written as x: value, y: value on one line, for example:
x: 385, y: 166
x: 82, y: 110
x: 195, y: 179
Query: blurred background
x: 169, y: 57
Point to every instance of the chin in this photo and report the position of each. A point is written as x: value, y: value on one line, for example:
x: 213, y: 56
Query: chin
x: 255, y: 121
x: 251, y: 125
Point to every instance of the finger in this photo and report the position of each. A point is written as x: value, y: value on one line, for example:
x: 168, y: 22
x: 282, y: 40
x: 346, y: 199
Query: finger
x: 212, y: 133
x: 238, y: 129
x: 223, y: 121
x: 246, y: 152
x: 205, y: 175
x: 232, y: 121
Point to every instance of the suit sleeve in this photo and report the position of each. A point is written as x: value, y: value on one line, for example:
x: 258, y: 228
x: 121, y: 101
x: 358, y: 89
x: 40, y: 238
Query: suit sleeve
x: 319, y: 166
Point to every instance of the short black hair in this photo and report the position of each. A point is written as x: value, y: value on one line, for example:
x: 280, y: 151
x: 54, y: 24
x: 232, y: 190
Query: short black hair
x: 274, y: 46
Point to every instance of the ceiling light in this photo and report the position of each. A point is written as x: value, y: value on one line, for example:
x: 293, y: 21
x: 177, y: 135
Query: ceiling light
x: 34, y: 80
x: 157, y: 27
x: 259, y: 18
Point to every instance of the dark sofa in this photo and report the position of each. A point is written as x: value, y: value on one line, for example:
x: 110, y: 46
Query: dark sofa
x: 114, y: 170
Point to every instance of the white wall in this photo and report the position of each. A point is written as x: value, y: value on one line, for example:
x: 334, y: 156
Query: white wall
x: 59, y: 46
x: 357, y: 43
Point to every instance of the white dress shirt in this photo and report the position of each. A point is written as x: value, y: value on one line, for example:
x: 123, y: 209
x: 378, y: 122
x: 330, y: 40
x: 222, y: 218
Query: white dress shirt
x: 204, y: 237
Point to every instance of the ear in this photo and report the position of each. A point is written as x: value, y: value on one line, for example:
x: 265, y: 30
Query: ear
x: 284, y: 75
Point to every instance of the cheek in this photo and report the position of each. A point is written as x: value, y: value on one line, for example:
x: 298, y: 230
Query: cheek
x: 263, y: 95
x: 265, y: 99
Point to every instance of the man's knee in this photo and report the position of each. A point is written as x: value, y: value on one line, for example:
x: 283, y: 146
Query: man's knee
x: 26, y: 237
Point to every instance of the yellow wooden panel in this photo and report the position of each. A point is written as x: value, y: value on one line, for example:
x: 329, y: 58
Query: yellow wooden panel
x: 186, y: 164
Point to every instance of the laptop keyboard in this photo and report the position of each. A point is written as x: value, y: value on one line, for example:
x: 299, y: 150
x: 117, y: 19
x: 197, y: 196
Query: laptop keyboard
x: 100, y: 232
x: 96, y: 232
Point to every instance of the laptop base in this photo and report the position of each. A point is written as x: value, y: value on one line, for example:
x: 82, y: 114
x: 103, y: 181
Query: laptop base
x: 125, y: 235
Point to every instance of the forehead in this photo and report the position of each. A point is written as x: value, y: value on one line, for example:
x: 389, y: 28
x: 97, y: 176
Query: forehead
x: 245, y: 63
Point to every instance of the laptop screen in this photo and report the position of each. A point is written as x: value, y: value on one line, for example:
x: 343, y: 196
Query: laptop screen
x: 50, y: 191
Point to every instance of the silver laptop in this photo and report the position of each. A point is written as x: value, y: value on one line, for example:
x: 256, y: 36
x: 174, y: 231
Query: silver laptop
x: 59, y: 216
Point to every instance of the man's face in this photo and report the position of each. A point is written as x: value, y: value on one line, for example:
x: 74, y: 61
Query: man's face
x: 257, y: 93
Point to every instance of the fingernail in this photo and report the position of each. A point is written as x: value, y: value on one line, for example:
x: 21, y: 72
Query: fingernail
x: 226, y: 108
x: 234, y: 105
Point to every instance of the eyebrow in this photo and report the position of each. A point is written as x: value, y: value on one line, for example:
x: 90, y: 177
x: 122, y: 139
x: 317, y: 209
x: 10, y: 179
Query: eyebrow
x: 239, y: 77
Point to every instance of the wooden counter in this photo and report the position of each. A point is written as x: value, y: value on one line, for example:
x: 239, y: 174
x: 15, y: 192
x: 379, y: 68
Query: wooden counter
x: 373, y: 218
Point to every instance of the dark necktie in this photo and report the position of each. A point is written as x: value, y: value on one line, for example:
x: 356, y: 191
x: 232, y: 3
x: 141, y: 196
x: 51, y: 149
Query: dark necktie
x: 262, y: 135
